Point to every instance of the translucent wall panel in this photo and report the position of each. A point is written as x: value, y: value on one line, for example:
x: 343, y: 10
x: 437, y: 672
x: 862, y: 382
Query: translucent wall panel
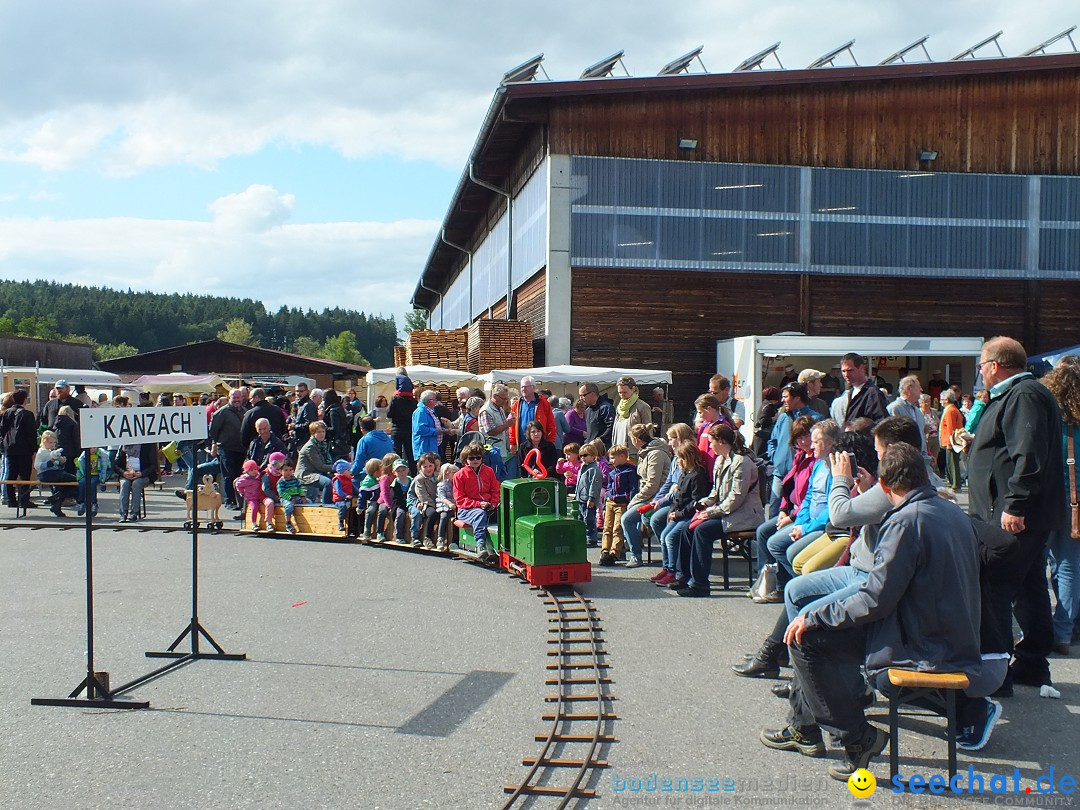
x: 692, y: 215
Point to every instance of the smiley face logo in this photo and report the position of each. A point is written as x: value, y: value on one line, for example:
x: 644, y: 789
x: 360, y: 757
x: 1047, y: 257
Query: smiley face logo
x: 862, y: 784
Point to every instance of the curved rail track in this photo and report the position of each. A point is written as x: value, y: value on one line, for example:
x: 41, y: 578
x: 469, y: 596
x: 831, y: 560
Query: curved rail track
x: 580, y: 726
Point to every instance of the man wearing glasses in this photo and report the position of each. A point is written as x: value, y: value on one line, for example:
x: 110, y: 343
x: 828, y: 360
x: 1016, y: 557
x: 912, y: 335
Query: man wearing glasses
x: 1015, y: 475
x: 494, y: 420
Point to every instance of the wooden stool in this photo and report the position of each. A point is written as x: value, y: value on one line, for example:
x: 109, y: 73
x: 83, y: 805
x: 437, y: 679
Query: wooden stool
x: 937, y: 687
x: 739, y: 543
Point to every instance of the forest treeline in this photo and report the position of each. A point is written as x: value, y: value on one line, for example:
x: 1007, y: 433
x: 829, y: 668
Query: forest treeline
x: 116, y: 322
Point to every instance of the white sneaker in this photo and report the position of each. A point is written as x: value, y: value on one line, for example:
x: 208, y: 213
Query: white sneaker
x: 633, y: 562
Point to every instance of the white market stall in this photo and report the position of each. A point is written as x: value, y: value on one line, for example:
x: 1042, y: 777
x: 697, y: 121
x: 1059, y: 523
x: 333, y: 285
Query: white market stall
x: 380, y: 381
x: 178, y: 383
x: 756, y: 361
x: 34, y: 378
x: 565, y: 380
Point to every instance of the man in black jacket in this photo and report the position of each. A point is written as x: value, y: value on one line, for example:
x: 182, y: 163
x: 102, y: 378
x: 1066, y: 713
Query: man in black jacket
x: 862, y: 398
x: 261, y: 409
x: 63, y: 397
x: 225, y: 434
x: 400, y: 413
x: 599, y: 414
x: 306, y: 413
x: 1016, y: 475
x: 18, y: 432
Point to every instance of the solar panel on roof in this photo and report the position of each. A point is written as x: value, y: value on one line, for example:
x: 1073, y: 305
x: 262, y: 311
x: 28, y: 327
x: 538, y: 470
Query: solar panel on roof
x: 830, y: 57
x: 526, y: 71
x: 759, y: 57
x: 676, y: 66
x: 1041, y: 49
x: 900, y: 54
x: 605, y: 67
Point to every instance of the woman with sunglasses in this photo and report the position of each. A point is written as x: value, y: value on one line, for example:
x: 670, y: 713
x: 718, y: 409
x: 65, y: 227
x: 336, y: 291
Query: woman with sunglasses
x: 476, y: 492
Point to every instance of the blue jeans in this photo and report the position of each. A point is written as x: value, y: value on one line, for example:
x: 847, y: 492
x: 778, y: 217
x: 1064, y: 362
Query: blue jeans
x: 423, y: 522
x: 701, y: 559
x: 211, y: 467
x: 764, y: 532
x: 1065, y: 577
x: 588, y: 515
x: 631, y: 526
x: 680, y: 538
x: 478, y: 520
x: 810, y: 591
x: 321, y: 492
x: 661, y: 530
x: 776, y: 551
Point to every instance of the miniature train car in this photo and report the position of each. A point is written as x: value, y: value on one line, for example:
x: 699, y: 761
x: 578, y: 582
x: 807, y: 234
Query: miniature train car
x: 534, y: 536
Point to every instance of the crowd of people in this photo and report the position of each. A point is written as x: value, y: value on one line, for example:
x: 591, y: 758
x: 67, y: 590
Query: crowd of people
x: 857, y: 536
x: 875, y: 565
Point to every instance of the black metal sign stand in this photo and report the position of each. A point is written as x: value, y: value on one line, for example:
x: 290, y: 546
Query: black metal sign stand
x: 98, y: 693
x: 195, y: 629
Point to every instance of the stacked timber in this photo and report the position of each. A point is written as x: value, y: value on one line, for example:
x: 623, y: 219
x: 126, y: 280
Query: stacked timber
x: 399, y: 356
x: 499, y: 344
x: 444, y: 348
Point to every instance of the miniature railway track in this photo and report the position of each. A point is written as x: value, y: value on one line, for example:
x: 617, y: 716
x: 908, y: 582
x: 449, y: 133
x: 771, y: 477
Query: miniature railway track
x: 107, y: 527
x: 582, y: 718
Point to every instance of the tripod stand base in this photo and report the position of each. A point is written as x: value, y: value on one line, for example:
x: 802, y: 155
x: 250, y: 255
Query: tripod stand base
x: 195, y: 631
x: 104, y: 703
x: 199, y: 655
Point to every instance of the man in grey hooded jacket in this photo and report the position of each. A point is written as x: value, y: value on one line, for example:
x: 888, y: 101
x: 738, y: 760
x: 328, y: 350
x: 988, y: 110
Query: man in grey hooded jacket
x: 918, y: 609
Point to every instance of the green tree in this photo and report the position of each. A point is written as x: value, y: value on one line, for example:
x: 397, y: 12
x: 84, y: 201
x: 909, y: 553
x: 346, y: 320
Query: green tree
x: 239, y: 331
x: 308, y: 347
x: 415, y: 321
x: 109, y: 351
x: 343, y: 349
x: 7, y: 325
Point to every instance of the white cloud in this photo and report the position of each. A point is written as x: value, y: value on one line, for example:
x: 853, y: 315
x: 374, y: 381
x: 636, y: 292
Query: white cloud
x: 257, y: 208
x: 126, y: 85
x: 370, y: 266
x: 45, y: 196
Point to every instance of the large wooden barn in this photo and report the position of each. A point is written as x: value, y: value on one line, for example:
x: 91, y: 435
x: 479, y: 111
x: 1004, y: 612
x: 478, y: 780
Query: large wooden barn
x: 654, y: 216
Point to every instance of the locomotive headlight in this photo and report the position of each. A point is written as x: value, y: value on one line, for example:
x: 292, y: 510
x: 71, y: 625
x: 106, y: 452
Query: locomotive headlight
x: 540, y: 497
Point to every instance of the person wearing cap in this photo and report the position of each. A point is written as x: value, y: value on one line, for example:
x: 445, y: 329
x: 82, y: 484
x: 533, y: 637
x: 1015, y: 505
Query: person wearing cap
x: 812, y: 379
x: 63, y: 397
x: 790, y: 375
x: 400, y: 413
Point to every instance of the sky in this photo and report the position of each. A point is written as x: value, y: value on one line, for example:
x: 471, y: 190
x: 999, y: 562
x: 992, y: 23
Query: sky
x: 305, y: 154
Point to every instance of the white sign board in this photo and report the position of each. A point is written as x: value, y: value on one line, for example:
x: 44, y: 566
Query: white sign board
x: 108, y: 427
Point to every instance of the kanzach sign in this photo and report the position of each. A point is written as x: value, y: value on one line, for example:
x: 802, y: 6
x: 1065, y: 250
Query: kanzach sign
x: 106, y: 427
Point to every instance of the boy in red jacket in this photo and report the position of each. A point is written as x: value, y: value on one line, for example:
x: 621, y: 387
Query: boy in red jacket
x: 476, y: 492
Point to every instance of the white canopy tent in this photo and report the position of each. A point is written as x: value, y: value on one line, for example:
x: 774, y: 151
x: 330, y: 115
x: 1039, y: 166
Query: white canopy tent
x: 177, y: 383
x: 565, y: 380
x: 380, y: 381
x: 75, y: 376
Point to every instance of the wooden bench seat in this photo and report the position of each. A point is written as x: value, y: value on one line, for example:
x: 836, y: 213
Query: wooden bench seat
x: 938, y: 688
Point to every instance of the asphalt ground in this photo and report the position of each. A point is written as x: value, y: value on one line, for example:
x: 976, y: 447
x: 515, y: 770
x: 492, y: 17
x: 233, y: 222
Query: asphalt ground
x: 379, y: 678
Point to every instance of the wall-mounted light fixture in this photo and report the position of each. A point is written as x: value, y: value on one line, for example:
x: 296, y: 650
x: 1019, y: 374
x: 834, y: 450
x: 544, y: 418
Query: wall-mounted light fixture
x: 688, y: 143
x: 928, y: 154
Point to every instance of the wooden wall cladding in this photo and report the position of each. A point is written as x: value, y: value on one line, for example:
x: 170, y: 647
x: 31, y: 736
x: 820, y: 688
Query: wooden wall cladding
x: 1009, y: 123
x: 531, y: 300
x: 672, y: 319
